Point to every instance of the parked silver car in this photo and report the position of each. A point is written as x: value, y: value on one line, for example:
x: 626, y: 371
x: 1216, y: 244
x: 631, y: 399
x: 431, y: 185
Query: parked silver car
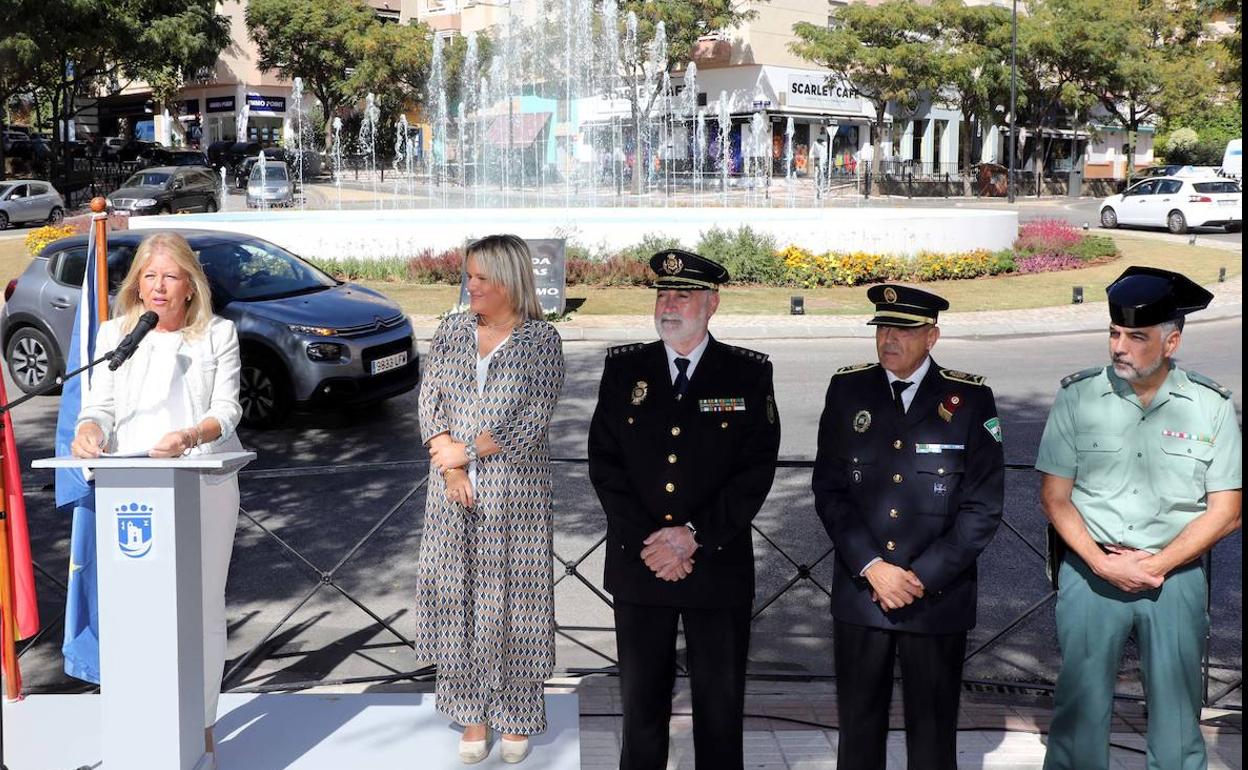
x: 269, y: 184
x: 29, y: 200
x: 307, y: 341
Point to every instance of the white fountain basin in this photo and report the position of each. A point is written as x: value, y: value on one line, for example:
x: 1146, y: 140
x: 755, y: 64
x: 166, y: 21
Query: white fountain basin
x: 329, y: 235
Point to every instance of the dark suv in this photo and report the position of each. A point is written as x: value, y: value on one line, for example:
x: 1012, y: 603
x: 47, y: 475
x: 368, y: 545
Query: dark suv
x: 307, y: 340
x: 167, y: 190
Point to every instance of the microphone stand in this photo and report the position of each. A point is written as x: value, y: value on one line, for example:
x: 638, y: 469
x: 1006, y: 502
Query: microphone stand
x: 5, y: 409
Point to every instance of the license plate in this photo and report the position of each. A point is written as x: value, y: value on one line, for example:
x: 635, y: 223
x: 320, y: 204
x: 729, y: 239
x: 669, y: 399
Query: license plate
x: 122, y: 212
x: 389, y: 362
x: 1227, y: 203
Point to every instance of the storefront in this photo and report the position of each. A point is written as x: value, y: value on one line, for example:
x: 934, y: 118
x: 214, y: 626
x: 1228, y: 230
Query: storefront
x: 266, y: 114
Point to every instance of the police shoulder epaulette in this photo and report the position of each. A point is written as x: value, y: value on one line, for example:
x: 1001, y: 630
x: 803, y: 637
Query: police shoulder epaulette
x: 1201, y: 379
x: 753, y: 355
x: 620, y: 350
x: 853, y: 368
x: 963, y: 377
x: 1071, y: 379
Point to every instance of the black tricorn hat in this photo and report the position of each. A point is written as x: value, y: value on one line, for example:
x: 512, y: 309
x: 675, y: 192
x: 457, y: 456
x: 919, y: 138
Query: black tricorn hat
x: 897, y: 305
x: 1147, y: 296
x: 679, y: 269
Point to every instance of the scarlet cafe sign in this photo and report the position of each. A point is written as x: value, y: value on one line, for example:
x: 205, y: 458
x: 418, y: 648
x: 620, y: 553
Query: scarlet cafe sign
x: 819, y: 92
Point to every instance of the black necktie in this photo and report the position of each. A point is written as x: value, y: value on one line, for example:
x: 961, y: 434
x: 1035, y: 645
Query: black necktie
x: 899, y: 387
x: 682, y: 379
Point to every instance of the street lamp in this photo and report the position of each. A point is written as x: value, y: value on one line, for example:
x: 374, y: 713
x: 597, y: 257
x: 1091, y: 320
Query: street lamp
x: 1013, y: 97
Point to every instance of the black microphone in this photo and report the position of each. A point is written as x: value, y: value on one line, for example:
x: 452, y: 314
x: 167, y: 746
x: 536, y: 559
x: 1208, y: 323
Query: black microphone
x: 130, y: 342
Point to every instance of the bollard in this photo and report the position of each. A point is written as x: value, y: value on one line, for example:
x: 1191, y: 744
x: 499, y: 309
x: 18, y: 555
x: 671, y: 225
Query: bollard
x: 797, y: 305
x: 1221, y: 275
x: 1076, y: 295
x: 1085, y: 225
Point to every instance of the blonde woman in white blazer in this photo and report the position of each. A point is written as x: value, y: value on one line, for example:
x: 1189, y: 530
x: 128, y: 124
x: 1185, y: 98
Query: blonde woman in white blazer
x: 177, y: 395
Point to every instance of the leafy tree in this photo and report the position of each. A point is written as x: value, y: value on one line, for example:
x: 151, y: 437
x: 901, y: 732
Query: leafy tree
x: 314, y: 40
x: 71, y: 49
x: 1146, y: 58
x: 882, y: 53
x: 974, y: 57
x: 1233, y: 72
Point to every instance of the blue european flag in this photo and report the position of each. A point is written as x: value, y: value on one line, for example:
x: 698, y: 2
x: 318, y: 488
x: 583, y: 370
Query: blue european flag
x: 82, y: 622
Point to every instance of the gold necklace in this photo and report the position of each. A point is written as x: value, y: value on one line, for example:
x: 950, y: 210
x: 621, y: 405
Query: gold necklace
x: 492, y: 327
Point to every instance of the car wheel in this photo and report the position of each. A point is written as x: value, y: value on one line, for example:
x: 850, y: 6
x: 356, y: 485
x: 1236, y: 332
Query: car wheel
x: 4, y: 221
x: 264, y: 391
x: 211, y: 205
x: 1234, y: 227
x: 166, y: 209
x: 1176, y: 222
x: 56, y: 216
x: 33, y: 361
x: 1109, y: 218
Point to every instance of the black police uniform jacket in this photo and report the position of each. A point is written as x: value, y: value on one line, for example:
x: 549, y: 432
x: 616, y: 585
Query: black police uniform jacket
x: 922, y: 490
x: 708, y: 459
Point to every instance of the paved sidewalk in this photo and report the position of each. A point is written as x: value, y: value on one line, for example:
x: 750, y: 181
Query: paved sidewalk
x: 791, y: 726
x: 1090, y: 316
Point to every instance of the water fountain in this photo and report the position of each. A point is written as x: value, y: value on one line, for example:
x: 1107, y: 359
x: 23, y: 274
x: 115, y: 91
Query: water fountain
x: 578, y: 111
x: 297, y: 121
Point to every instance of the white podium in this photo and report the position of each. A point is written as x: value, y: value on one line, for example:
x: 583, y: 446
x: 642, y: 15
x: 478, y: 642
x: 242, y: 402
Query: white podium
x: 147, y: 522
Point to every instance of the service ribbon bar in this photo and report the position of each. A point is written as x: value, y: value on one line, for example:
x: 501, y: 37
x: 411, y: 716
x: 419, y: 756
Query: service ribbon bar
x: 1188, y: 436
x: 721, y: 405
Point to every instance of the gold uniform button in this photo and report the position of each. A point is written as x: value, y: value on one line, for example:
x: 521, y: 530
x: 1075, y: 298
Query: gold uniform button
x: 940, y: 471
x: 890, y: 545
x: 667, y: 517
x: 671, y: 459
x: 896, y: 478
x: 724, y: 424
x: 630, y: 420
x: 670, y: 487
x: 675, y: 430
x: 893, y: 513
x: 897, y: 444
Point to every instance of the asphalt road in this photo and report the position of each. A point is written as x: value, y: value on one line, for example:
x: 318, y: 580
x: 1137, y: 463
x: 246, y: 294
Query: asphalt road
x: 325, y: 481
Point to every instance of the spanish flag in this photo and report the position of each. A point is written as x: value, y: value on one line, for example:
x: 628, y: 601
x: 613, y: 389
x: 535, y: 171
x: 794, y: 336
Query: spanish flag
x: 19, y: 609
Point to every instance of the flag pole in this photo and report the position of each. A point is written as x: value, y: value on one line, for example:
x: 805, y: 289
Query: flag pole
x: 99, y: 221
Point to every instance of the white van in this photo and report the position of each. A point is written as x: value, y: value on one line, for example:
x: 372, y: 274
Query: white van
x: 1233, y: 159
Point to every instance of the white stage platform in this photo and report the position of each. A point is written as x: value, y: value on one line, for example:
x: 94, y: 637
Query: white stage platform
x: 349, y: 731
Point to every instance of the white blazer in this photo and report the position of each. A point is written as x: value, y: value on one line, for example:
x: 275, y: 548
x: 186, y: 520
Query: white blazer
x: 212, y: 377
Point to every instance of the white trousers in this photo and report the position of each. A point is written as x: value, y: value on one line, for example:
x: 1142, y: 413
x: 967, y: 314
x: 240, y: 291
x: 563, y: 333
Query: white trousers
x: 218, y: 500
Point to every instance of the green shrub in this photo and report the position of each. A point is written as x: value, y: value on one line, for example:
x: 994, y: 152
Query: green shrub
x: 650, y: 244
x: 355, y: 269
x: 1095, y: 247
x: 1004, y: 262
x: 750, y: 257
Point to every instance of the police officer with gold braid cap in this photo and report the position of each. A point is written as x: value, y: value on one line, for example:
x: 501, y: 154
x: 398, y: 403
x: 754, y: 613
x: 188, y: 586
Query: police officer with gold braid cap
x: 682, y: 453
x: 909, y: 482
x: 1142, y: 477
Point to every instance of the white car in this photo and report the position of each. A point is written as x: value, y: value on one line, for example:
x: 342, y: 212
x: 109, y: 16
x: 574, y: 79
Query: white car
x: 1176, y: 203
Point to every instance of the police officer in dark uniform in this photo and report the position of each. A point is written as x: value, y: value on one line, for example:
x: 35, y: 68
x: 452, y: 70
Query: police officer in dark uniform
x: 909, y: 481
x: 682, y: 453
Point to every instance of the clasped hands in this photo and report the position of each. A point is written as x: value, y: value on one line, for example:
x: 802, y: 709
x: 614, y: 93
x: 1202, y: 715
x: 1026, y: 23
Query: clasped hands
x: 893, y: 587
x: 668, y: 552
x: 1127, y: 569
x: 447, y: 456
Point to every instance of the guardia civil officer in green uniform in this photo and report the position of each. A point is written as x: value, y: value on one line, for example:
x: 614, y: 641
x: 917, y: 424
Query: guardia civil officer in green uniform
x: 909, y: 482
x: 1142, y: 476
x: 682, y: 452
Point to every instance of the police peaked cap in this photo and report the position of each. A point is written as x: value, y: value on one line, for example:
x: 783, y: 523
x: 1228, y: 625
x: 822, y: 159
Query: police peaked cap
x: 679, y: 269
x: 897, y: 305
x: 1147, y: 296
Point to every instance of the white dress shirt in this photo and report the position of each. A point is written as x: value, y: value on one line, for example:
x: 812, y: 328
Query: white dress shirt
x: 907, y: 395
x: 694, y: 357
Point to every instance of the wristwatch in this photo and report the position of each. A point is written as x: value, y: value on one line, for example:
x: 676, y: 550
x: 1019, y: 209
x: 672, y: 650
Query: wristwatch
x: 692, y: 529
x: 470, y: 451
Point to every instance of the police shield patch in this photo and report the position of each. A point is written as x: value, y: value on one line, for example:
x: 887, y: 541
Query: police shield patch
x: 993, y: 427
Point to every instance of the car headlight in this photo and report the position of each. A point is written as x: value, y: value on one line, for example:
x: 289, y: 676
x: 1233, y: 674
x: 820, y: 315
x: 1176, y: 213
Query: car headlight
x: 143, y: 203
x: 315, y: 331
x: 325, y: 351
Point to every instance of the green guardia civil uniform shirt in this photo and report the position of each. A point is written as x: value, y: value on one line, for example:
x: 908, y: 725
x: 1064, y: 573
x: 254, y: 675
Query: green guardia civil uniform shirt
x: 1141, y: 474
